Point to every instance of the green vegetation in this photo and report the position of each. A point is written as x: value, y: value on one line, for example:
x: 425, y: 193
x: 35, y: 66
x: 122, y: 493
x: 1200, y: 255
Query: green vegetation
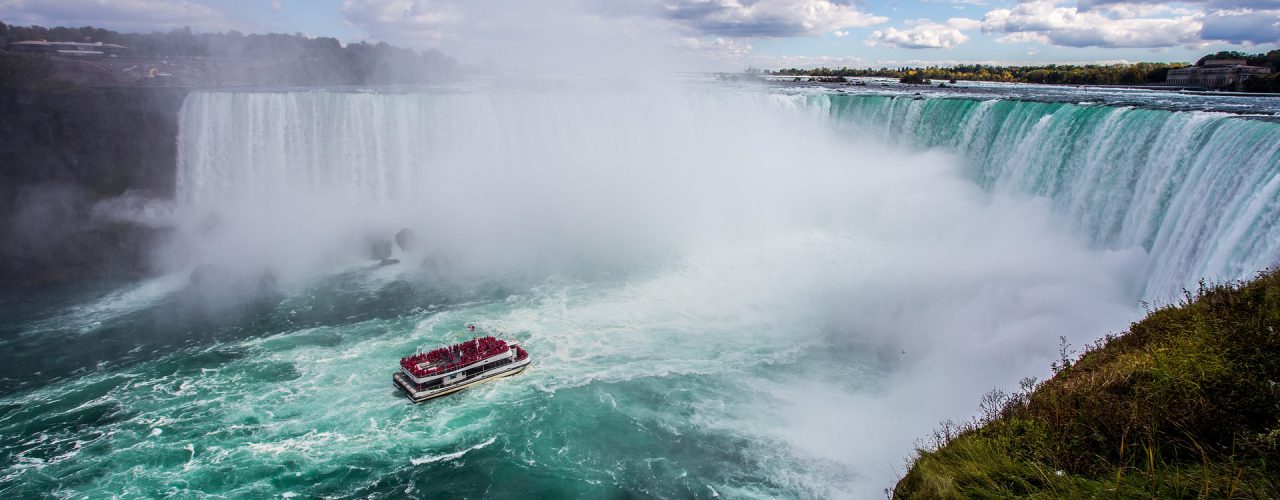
x: 1184, y: 405
x: 290, y: 59
x: 1094, y: 74
x: 1269, y: 83
x: 24, y: 68
x: 914, y: 78
x: 1271, y: 58
x: 1089, y: 74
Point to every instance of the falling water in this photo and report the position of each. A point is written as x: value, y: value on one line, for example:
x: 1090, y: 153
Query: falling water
x: 1198, y: 191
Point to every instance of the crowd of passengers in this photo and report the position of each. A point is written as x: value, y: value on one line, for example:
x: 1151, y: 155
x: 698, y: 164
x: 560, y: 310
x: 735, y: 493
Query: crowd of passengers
x: 456, y: 356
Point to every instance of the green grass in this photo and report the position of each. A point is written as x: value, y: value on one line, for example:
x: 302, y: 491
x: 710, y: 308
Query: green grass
x: 1186, y: 404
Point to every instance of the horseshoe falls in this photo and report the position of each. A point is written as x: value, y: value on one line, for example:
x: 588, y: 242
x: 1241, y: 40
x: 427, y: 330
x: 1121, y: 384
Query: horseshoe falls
x: 1195, y: 190
x: 726, y: 292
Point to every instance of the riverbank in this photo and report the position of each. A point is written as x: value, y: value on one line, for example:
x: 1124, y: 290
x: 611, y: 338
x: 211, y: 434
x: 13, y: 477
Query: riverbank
x: 1182, y: 405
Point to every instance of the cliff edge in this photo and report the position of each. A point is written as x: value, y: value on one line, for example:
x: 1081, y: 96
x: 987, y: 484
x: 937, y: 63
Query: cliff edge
x: 64, y: 151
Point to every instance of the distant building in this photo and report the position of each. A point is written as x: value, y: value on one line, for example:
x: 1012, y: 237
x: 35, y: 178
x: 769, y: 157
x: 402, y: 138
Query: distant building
x: 1217, y: 74
x: 70, y: 49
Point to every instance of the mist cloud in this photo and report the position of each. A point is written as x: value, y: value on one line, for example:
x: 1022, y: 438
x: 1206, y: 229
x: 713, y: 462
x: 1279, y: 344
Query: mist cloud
x: 403, y: 22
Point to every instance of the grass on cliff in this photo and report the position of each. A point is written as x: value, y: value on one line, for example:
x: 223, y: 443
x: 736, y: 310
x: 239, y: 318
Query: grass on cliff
x: 1186, y: 404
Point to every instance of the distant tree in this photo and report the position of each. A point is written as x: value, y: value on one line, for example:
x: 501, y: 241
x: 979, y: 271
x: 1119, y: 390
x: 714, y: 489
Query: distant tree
x: 1225, y: 54
x: 913, y: 77
x: 1158, y: 75
x: 1271, y: 58
x: 24, y: 69
x: 295, y: 59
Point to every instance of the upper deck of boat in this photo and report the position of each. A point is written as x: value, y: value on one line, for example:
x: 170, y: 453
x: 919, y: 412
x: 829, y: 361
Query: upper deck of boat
x: 457, y: 356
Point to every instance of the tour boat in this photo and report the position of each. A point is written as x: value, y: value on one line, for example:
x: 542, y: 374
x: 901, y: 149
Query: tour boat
x: 447, y: 370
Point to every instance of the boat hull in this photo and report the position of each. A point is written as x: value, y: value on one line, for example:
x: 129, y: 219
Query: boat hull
x: 417, y: 396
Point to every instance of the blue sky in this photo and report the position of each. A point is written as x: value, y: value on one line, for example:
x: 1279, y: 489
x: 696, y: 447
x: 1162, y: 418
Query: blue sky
x: 722, y: 34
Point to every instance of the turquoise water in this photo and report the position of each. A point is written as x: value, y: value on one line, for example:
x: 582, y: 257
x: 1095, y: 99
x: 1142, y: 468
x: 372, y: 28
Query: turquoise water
x: 298, y: 399
x: 725, y: 293
x: 1199, y: 191
x: 273, y: 415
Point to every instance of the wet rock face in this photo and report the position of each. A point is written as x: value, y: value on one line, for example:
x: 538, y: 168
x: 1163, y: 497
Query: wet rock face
x: 49, y: 234
x: 96, y: 144
x: 106, y: 141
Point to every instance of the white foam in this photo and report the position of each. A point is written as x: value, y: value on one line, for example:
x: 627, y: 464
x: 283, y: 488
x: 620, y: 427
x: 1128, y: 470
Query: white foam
x: 450, y: 456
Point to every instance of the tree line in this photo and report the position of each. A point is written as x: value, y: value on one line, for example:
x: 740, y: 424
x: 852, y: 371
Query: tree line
x: 1091, y: 74
x: 295, y: 59
x: 1087, y: 74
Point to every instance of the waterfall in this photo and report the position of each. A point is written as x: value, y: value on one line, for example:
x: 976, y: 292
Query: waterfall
x: 288, y: 177
x: 1198, y: 191
x: 389, y: 146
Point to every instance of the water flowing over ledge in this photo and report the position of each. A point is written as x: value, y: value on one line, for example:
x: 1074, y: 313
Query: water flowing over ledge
x: 1198, y: 191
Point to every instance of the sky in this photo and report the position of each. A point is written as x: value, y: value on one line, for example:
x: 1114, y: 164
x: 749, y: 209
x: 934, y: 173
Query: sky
x: 720, y: 34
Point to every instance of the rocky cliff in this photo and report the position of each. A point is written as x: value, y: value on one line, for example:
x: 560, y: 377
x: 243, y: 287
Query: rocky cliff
x: 64, y: 151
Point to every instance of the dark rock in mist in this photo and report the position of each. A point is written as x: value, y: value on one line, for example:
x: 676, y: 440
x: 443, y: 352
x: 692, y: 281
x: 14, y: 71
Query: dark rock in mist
x: 380, y: 249
x: 215, y: 290
x: 206, y: 275
x: 388, y: 262
x: 210, y: 223
x: 405, y: 239
x: 438, y: 261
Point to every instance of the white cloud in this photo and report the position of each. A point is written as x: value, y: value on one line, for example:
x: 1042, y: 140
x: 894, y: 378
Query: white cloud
x: 126, y: 15
x: 717, y: 49
x: 960, y: 4
x: 792, y: 61
x: 406, y: 22
x: 1117, y: 25
x: 551, y: 33
x: 1212, y: 5
x: 926, y: 34
x: 766, y: 18
x: 471, y: 26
